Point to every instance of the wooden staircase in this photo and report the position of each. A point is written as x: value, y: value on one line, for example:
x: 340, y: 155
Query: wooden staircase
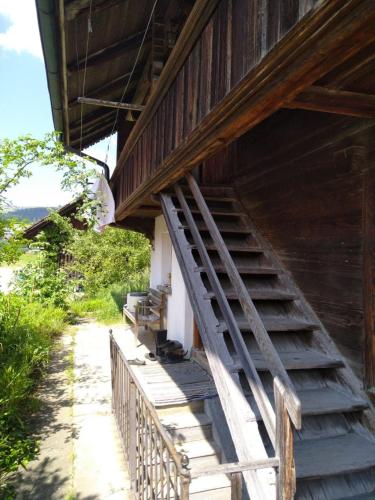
x: 191, y: 430
x: 334, y: 451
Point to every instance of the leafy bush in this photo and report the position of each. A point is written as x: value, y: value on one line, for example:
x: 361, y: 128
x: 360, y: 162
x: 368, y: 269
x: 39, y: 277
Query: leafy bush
x: 27, y: 331
x: 115, y: 256
x: 44, y: 283
x: 106, y: 305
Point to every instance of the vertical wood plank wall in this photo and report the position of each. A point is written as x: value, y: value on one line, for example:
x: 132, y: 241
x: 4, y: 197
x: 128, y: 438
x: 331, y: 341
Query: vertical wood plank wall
x: 369, y: 262
x: 238, y: 35
x: 308, y: 182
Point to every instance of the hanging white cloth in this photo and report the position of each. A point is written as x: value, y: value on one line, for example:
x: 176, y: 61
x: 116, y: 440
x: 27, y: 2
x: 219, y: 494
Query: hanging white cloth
x: 106, y: 212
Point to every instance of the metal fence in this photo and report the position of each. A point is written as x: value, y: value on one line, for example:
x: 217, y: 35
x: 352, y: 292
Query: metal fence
x: 157, y: 470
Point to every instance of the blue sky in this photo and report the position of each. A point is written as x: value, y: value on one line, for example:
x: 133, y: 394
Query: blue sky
x: 24, y: 101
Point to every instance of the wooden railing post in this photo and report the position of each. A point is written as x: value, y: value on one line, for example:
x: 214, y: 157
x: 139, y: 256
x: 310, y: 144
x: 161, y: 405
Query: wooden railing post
x: 286, y: 475
x: 236, y: 486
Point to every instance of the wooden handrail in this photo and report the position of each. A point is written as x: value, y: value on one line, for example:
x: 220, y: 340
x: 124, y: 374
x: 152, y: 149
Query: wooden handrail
x: 265, y: 344
x: 251, y: 373
x: 233, y: 468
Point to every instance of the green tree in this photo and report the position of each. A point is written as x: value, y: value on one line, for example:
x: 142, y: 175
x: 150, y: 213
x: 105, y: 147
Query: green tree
x: 17, y: 157
x: 115, y: 256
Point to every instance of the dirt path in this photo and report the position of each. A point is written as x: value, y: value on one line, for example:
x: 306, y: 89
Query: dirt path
x: 80, y: 452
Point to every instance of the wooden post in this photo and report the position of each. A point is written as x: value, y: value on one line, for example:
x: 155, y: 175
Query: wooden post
x: 197, y: 340
x: 286, y: 476
x: 236, y: 486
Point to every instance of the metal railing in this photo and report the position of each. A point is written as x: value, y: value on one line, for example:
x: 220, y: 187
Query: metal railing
x: 157, y: 470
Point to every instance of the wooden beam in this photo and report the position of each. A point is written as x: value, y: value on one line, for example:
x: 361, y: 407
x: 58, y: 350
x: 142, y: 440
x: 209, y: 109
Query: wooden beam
x: 110, y: 104
x: 105, y: 54
x: 351, y: 70
x: 78, y: 7
x: 109, y: 87
x: 339, y: 102
x: 331, y: 34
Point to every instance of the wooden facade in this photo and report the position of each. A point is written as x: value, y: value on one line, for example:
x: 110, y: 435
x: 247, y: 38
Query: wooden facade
x: 270, y: 104
x: 306, y: 180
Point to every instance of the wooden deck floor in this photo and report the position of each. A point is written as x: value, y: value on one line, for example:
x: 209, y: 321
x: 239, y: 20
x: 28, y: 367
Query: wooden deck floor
x: 174, y: 383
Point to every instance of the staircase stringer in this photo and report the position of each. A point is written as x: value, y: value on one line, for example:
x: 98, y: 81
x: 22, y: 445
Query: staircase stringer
x: 322, y: 338
x: 241, y: 420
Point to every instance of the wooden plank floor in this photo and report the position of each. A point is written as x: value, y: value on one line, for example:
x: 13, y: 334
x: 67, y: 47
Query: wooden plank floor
x: 174, y: 383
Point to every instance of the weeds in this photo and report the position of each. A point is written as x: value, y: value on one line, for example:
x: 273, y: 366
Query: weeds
x: 27, y: 332
x: 106, y: 306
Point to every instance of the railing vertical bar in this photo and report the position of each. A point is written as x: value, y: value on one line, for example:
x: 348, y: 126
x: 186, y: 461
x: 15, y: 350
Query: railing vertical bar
x: 133, y: 435
x: 146, y: 454
x: 156, y: 458
x: 140, y: 450
x: 175, y: 481
x: 168, y: 474
x: 161, y: 451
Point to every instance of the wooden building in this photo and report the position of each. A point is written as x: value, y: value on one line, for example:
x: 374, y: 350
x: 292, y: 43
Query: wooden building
x: 246, y: 152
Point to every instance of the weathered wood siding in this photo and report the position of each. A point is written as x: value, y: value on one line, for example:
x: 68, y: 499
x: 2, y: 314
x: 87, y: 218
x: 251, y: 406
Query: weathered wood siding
x: 305, y: 178
x: 236, y: 38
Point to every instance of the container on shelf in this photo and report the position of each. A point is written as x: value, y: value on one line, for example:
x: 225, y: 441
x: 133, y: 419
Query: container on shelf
x: 132, y: 299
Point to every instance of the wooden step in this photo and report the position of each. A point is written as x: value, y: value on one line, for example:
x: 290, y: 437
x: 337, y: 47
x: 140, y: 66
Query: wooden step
x: 257, y: 294
x: 232, y: 248
x: 260, y: 271
x: 188, y: 426
x: 225, y: 211
x: 297, y: 360
x: 223, y: 228
x: 274, y: 324
x: 322, y: 401
x: 201, y: 453
x: 363, y: 496
x: 210, y: 487
x: 345, y: 454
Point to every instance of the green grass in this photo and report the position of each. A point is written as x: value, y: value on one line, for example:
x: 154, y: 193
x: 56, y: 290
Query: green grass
x: 27, y: 331
x: 106, y: 306
x: 25, y: 259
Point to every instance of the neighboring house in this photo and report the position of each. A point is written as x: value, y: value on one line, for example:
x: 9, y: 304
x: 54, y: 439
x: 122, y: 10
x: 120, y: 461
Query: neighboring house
x: 69, y: 210
x: 251, y: 167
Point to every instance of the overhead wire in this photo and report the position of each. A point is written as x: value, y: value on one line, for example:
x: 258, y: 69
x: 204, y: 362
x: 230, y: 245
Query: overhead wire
x: 130, y: 76
x: 89, y: 31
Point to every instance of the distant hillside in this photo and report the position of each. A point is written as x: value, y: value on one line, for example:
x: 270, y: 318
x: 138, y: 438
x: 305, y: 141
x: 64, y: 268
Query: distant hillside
x: 32, y: 213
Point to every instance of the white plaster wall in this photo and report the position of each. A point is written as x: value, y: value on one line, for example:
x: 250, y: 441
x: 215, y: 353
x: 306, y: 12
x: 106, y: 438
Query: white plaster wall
x: 180, y: 314
x: 179, y: 319
x: 161, y: 255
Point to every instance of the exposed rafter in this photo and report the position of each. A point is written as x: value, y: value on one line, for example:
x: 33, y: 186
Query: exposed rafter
x: 96, y: 135
x: 340, y: 102
x: 351, y: 70
x: 78, y: 7
x: 90, y: 118
x: 111, y: 51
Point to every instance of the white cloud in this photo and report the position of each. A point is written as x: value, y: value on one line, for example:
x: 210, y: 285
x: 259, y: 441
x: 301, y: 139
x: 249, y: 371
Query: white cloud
x: 22, y: 35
